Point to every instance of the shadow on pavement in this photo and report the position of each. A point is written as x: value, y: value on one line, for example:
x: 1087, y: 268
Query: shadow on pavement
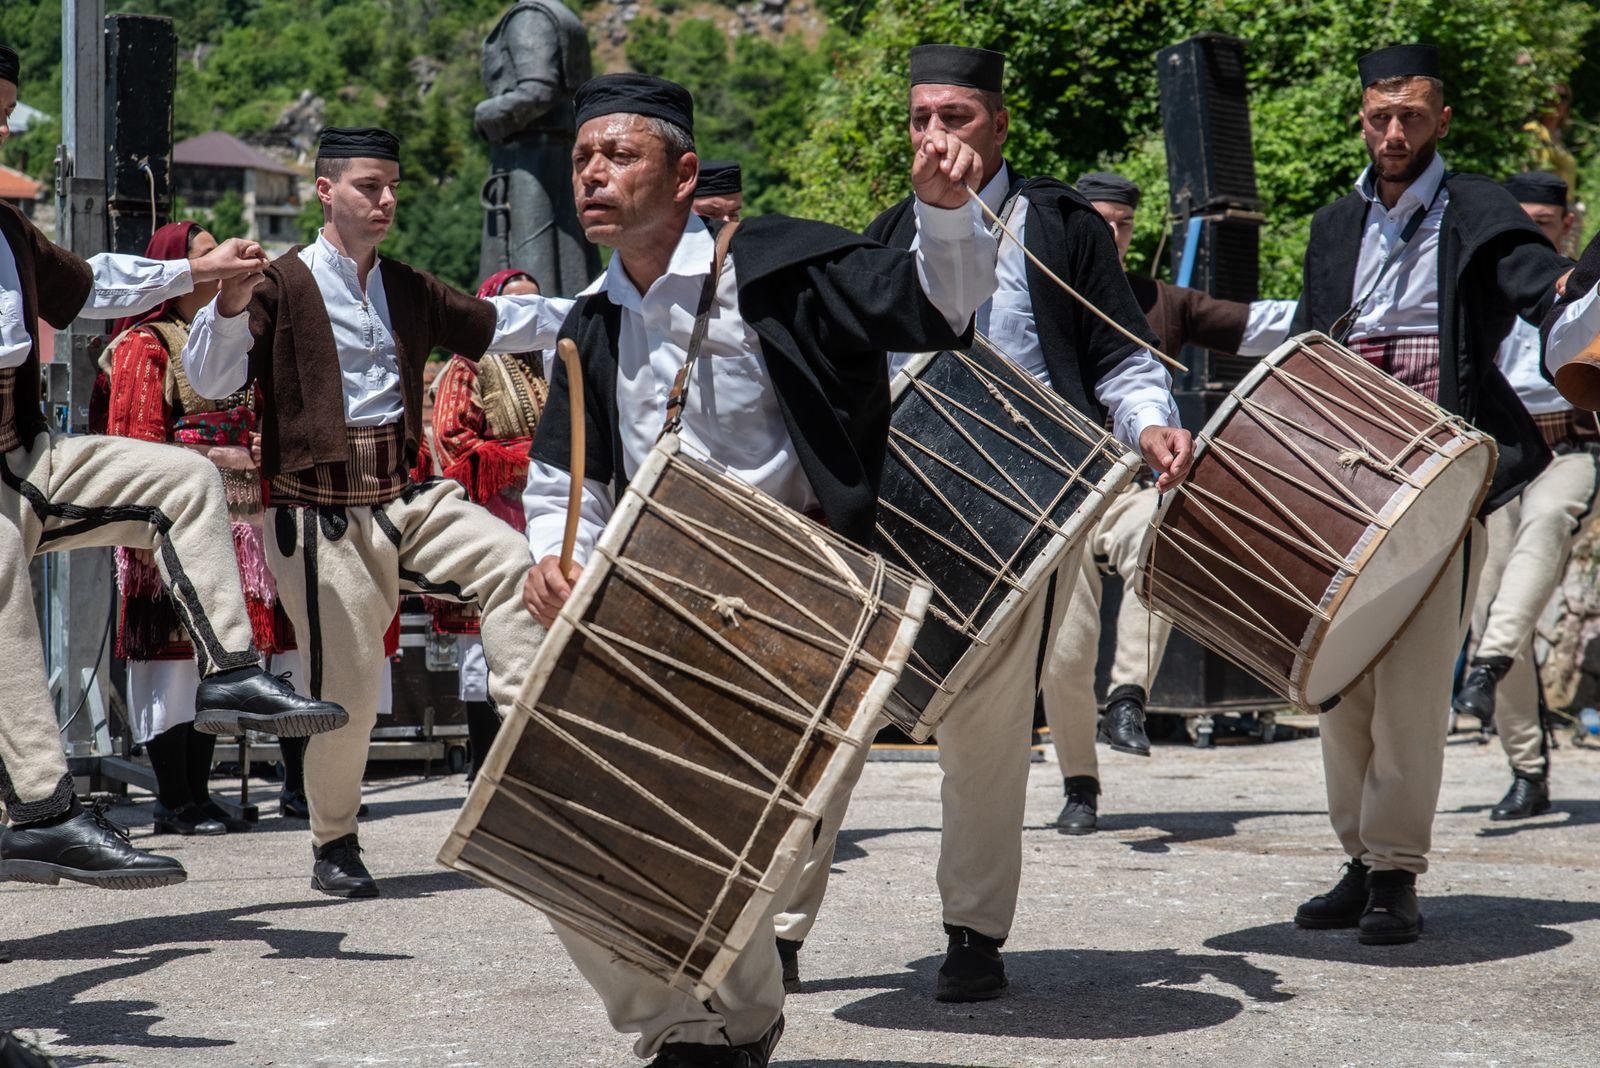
x: 849, y: 845
x: 1069, y: 994
x: 1458, y: 929
x: 1182, y: 828
x: 1562, y: 815
x: 876, y: 1064
x: 139, y: 817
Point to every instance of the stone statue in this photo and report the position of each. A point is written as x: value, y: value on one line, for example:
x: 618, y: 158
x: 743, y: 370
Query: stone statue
x: 533, y: 61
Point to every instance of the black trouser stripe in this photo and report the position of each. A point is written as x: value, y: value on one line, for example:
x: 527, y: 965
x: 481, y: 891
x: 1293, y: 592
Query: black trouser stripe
x: 417, y: 578
x: 308, y: 556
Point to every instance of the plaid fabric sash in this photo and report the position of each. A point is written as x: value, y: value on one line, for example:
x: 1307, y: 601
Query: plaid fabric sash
x: 375, y: 472
x: 1412, y: 360
x: 1570, y: 427
x: 9, y: 439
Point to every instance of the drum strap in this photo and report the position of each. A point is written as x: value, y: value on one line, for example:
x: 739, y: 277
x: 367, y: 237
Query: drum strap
x: 1340, y: 331
x: 702, y: 317
x: 1007, y: 206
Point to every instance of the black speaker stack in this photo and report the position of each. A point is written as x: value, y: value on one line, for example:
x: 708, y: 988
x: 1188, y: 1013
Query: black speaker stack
x: 141, y: 74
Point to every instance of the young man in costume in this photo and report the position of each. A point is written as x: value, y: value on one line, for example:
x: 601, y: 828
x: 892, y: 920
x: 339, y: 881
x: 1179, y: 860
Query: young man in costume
x: 720, y: 192
x: 792, y: 396
x: 1422, y: 272
x: 1530, y: 539
x: 983, y: 741
x: 1180, y: 317
x: 59, y: 492
x: 338, y: 338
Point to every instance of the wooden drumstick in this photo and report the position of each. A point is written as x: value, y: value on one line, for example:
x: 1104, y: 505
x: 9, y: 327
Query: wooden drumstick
x: 1073, y: 293
x: 567, y: 349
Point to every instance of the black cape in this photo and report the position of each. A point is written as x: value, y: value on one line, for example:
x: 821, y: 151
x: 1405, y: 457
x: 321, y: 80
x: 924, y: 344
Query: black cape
x: 1064, y: 231
x: 827, y: 305
x: 1494, y: 265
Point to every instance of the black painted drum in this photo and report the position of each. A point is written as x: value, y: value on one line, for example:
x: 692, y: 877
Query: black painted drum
x: 990, y: 480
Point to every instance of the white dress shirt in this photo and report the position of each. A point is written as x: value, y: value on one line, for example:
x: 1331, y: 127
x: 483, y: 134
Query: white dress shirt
x: 1266, y: 327
x: 732, y: 413
x: 1137, y: 392
x: 1518, y: 358
x: 1406, y: 302
x: 123, y: 285
x: 217, y: 356
x: 1575, y: 329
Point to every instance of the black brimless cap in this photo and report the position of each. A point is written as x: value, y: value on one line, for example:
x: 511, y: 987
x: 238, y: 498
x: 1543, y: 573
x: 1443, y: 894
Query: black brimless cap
x: 1399, y: 61
x: 10, y: 65
x: 1105, y: 186
x: 635, y: 94
x: 1538, y: 187
x: 358, y: 142
x: 944, y: 64
x: 719, y: 178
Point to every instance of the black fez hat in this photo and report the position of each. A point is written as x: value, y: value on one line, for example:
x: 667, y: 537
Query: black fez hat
x: 635, y: 94
x: 1399, y: 61
x: 1103, y: 185
x: 943, y: 64
x: 1538, y: 187
x: 719, y: 178
x: 358, y: 142
x: 10, y: 65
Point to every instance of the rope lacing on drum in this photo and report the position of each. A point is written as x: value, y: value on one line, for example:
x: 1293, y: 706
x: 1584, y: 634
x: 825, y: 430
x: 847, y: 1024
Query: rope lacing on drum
x: 729, y: 608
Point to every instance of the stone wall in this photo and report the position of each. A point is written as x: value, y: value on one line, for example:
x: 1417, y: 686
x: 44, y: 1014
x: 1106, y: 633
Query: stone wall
x: 1567, y: 640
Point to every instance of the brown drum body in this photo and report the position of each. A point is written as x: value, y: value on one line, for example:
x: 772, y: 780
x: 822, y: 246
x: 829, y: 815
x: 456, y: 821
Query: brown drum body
x: 720, y: 660
x: 1324, y: 502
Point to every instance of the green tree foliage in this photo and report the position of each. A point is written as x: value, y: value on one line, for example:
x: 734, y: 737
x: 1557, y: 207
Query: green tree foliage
x: 227, y: 217
x: 1082, y: 91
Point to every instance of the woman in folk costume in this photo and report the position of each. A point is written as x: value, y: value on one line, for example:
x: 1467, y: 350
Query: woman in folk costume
x: 151, y: 399
x: 484, y: 415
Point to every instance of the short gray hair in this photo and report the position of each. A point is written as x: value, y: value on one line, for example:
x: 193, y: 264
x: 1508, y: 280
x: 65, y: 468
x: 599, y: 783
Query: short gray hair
x: 678, y: 140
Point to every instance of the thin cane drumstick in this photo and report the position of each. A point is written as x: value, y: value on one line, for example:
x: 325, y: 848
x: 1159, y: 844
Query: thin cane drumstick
x: 568, y: 351
x: 1073, y: 293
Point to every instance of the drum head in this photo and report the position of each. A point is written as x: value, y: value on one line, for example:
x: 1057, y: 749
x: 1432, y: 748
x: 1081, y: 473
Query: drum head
x: 1400, y: 567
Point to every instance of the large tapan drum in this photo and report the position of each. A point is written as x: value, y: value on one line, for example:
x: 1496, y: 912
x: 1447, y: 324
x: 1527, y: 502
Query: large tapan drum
x: 718, y: 663
x: 1324, y: 502
x: 990, y: 479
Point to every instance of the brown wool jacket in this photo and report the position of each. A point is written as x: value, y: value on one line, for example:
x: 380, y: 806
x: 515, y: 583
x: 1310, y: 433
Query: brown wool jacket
x: 296, y: 362
x: 55, y: 287
x: 1189, y: 317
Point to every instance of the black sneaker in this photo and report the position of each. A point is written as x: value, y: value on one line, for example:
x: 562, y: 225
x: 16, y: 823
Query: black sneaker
x: 1529, y: 796
x: 1080, y: 815
x: 1122, y: 724
x: 757, y: 1054
x: 1340, y: 907
x: 789, y: 958
x: 250, y: 699
x: 1392, y: 916
x: 1476, y: 696
x: 972, y: 968
x: 83, y: 845
x: 338, y: 871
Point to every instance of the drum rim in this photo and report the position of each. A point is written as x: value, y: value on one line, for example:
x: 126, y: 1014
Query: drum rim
x: 794, y: 844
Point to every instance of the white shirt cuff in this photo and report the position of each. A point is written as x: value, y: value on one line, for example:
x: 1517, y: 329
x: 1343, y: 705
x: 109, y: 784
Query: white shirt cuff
x: 1575, y: 330
x: 949, y: 224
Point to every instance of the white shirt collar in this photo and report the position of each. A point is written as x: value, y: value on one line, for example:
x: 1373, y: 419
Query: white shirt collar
x: 1419, y: 193
x: 690, y: 259
x: 993, y: 193
x: 346, y: 266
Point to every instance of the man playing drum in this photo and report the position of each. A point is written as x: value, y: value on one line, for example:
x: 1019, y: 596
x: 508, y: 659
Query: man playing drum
x: 983, y: 741
x: 1422, y: 272
x: 1180, y: 317
x: 1572, y: 333
x: 1530, y: 539
x: 792, y: 397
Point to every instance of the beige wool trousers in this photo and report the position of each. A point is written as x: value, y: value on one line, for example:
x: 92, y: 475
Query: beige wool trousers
x: 1068, y: 683
x: 1383, y: 743
x: 984, y: 755
x: 60, y: 493
x: 340, y: 572
x: 1530, y: 539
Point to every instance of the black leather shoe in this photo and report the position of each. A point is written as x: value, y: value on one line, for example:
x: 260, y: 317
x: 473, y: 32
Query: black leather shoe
x: 17, y: 1053
x: 83, y: 845
x: 1340, y: 907
x: 1529, y: 796
x: 757, y: 1054
x: 789, y: 957
x: 231, y: 824
x: 338, y: 871
x: 972, y: 968
x: 186, y: 821
x: 293, y: 805
x: 1476, y: 696
x: 1122, y: 724
x: 1080, y: 815
x: 251, y: 699
x: 1392, y: 917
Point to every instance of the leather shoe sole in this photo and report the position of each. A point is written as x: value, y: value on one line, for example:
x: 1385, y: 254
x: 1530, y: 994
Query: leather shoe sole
x: 284, y: 725
x: 964, y: 990
x: 1397, y: 937
x: 365, y: 890
x: 48, y: 874
x: 1326, y: 923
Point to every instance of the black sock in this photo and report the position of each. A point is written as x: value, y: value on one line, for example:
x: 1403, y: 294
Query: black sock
x: 483, y: 723
x: 201, y: 750
x: 294, y: 764
x: 169, y: 759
